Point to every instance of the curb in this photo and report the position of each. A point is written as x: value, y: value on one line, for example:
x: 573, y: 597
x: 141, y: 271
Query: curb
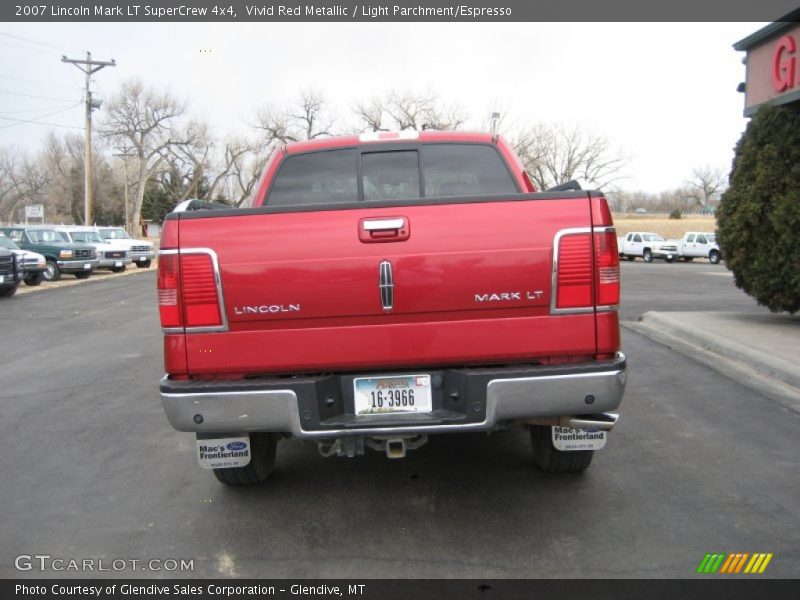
x: 752, y: 368
x: 768, y: 364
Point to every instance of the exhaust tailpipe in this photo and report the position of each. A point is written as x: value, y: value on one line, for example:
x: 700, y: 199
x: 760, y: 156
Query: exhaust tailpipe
x: 596, y: 422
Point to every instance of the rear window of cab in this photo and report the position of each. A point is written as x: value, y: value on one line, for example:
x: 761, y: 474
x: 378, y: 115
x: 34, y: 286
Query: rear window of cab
x: 426, y: 171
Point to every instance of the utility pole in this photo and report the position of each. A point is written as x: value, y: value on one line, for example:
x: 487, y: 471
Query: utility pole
x: 89, y: 66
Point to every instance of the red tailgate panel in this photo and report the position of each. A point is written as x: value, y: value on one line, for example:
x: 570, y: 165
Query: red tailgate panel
x: 370, y: 347
x: 302, y: 292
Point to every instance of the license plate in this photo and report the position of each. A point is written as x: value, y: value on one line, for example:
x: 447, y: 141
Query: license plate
x: 118, y: 263
x: 2, y: 278
x: 392, y: 394
x: 142, y: 259
x: 87, y: 266
x: 570, y: 440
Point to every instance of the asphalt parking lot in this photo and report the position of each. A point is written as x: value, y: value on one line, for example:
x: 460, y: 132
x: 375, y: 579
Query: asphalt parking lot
x: 91, y: 468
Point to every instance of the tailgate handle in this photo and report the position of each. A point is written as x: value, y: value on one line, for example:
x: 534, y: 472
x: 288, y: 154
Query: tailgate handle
x: 384, y: 229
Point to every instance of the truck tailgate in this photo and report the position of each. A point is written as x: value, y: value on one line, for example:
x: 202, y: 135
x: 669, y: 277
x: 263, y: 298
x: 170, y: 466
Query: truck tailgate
x: 322, y: 291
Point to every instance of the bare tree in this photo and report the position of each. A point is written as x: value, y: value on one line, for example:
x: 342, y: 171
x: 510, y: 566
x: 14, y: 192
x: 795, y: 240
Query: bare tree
x: 246, y: 171
x: 306, y: 119
x: 370, y: 114
x: 192, y: 159
x: 235, y: 165
x: 205, y: 161
x: 707, y: 181
x: 63, y: 159
x: 144, y: 123
x: 309, y: 115
x: 409, y: 110
x: 556, y: 154
x: 10, y: 192
x: 22, y: 181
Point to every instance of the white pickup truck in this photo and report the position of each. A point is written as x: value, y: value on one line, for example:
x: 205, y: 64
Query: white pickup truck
x: 647, y: 245
x: 697, y: 244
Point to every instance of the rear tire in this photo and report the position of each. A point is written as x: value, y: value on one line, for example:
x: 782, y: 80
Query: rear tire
x: 647, y: 255
x: 33, y: 280
x: 714, y: 257
x: 83, y: 274
x: 550, y: 460
x: 261, y: 466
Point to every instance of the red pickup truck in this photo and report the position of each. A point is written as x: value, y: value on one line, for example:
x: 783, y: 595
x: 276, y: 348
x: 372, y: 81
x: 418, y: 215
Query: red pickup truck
x: 384, y: 287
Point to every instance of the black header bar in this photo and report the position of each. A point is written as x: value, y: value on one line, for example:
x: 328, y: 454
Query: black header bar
x: 458, y: 11
x: 384, y: 589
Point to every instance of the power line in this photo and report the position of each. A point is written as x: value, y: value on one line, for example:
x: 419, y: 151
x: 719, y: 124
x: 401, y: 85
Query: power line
x: 34, y: 96
x: 27, y: 110
x: 26, y: 48
x: 23, y: 121
x: 29, y: 40
x: 61, y: 85
x: 41, y: 123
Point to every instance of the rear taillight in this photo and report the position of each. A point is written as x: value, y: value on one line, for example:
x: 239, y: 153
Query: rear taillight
x: 574, y: 274
x: 169, y: 291
x: 587, y: 270
x: 188, y: 290
x: 201, y: 302
x: 606, y: 265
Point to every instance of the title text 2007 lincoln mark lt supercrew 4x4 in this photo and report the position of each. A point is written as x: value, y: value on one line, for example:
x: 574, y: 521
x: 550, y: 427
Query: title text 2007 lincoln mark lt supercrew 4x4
x: 382, y: 288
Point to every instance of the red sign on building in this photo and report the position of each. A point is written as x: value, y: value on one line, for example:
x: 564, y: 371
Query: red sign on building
x: 773, y: 65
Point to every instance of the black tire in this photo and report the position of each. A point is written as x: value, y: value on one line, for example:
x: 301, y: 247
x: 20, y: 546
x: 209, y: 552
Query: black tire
x: 144, y: 265
x: 118, y: 269
x: 33, y: 280
x: 52, y: 272
x: 688, y: 258
x: 8, y: 291
x: 714, y: 257
x: 631, y: 258
x: 83, y: 274
x: 550, y: 460
x: 262, y: 462
x: 647, y: 255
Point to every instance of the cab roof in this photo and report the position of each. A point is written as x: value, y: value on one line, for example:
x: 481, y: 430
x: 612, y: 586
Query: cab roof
x: 383, y: 137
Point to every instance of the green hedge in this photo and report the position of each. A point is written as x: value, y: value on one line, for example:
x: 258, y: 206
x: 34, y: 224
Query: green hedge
x: 759, y: 215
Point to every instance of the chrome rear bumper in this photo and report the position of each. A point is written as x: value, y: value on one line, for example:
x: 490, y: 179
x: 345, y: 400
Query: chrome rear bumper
x: 578, y: 395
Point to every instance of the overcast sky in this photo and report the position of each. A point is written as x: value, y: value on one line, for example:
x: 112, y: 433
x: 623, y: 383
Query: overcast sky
x: 664, y: 93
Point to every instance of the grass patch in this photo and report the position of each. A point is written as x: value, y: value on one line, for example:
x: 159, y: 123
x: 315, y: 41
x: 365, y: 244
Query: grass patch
x: 663, y: 225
